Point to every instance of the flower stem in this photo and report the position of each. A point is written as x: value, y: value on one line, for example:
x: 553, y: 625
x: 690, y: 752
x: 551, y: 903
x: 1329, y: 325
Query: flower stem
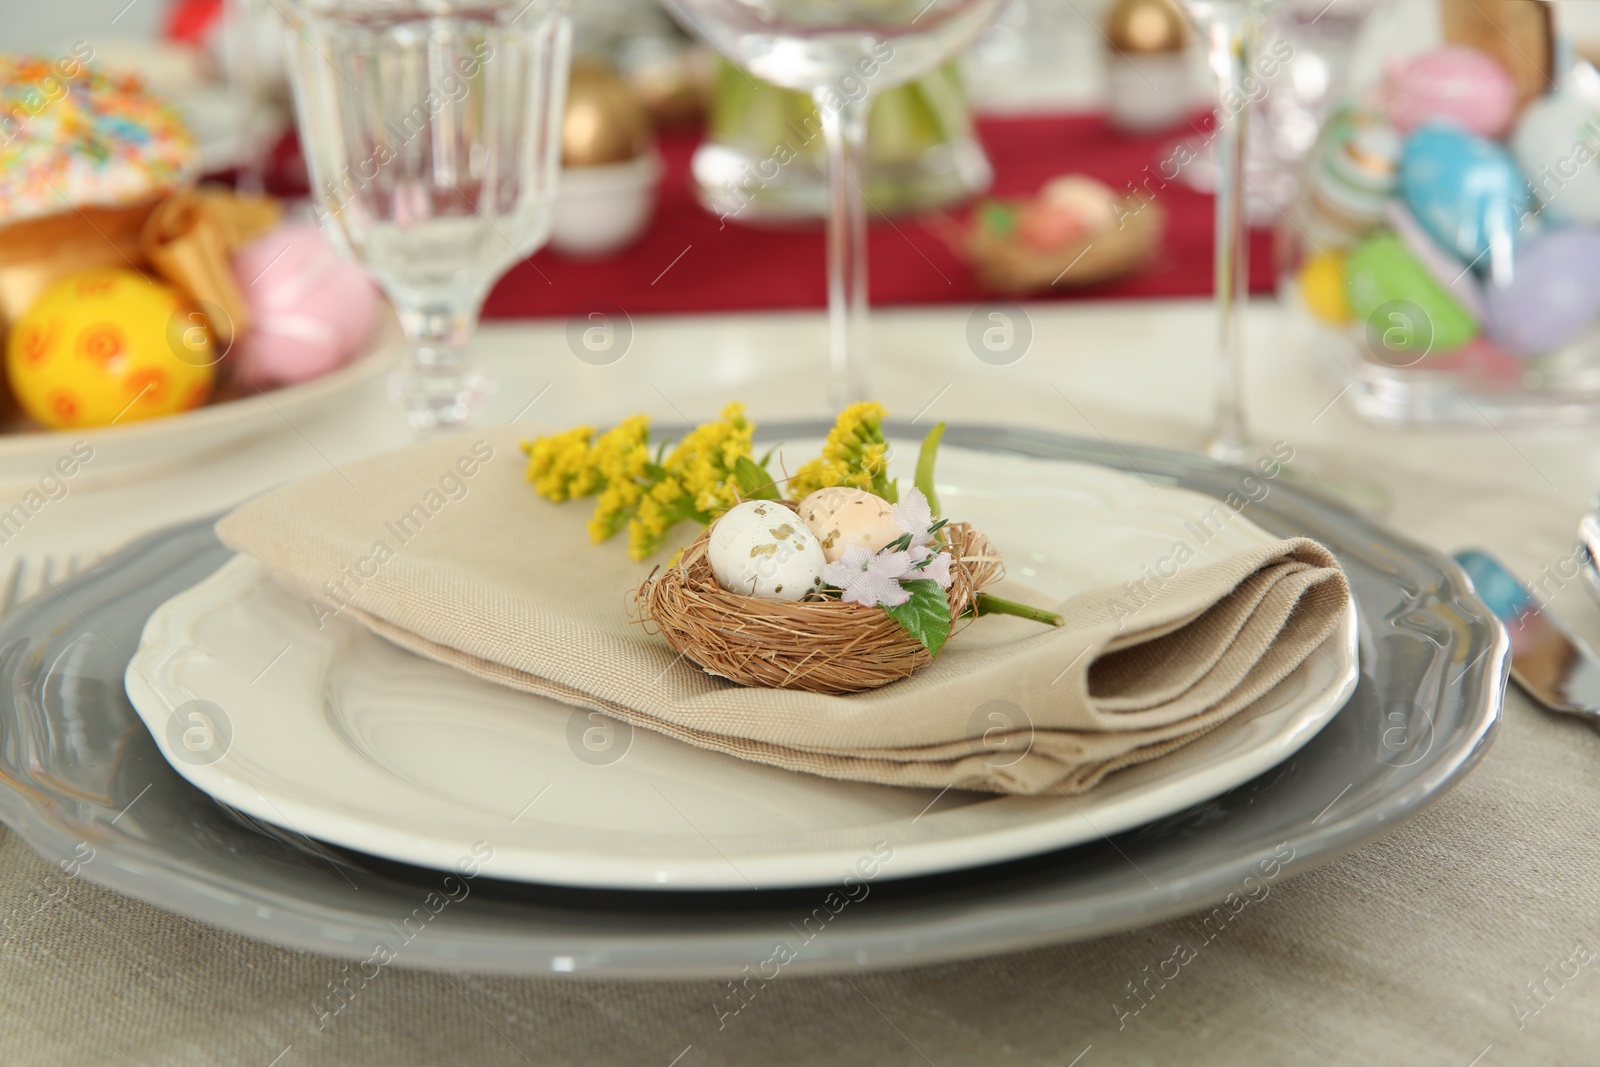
x: 925, y: 458
x: 988, y: 604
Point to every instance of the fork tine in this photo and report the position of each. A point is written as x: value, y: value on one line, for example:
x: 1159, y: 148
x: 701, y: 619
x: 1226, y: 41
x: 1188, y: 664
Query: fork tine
x: 13, y: 586
x: 43, y: 577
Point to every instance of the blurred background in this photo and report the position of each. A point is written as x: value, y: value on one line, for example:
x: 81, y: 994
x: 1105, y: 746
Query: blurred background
x: 1069, y: 153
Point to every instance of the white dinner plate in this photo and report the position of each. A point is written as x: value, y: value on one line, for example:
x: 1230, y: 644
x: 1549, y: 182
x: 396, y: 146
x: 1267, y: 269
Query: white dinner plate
x: 339, y: 735
x: 147, y: 448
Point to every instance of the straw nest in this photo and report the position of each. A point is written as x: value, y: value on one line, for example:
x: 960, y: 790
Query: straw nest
x: 1012, y: 267
x: 819, y: 645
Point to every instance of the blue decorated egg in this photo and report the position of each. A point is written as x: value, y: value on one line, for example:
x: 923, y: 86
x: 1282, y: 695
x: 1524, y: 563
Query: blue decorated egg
x: 1553, y: 296
x: 1467, y: 192
x: 1557, y: 141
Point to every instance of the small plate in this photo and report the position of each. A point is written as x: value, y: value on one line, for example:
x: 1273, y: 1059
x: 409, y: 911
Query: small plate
x: 146, y: 448
x: 335, y: 733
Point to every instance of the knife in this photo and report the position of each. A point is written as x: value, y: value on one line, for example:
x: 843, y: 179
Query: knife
x: 1548, y: 661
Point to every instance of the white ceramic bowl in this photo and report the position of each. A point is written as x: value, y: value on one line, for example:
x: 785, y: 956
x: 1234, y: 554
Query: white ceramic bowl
x: 151, y: 447
x: 601, y: 209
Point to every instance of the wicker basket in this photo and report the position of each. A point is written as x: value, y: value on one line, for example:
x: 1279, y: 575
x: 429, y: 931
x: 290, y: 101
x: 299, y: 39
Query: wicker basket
x: 1011, y: 267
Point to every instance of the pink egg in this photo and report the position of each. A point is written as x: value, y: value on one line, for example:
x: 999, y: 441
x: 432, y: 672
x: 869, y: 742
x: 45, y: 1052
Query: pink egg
x: 310, y: 308
x: 1067, y: 209
x: 1454, y: 83
x: 1092, y: 201
x: 1045, y: 227
x: 1483, y: 360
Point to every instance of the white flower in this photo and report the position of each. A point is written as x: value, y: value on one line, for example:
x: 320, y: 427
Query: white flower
x: 938, y: 568
x: 914, y: 517
x: 871, y: 579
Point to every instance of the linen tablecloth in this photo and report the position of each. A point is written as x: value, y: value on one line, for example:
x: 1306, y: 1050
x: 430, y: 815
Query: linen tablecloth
x: 1466, y: 938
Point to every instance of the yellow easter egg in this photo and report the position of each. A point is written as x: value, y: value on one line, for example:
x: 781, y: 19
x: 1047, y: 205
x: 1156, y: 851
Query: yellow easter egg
x: 109, y: 346
x: 1322, y: 286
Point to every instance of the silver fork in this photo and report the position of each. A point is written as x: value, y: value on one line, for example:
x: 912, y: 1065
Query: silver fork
x: 28, y: 578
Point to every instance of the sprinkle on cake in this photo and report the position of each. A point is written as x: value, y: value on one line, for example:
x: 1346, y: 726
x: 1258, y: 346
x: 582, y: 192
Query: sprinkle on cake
x: 72, y: 136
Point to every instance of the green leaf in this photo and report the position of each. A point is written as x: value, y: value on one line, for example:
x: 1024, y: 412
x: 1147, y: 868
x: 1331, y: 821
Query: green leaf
x: 926, y: 616
x: 754, y: 481
x: 997, y: 217
x: 925, y: 458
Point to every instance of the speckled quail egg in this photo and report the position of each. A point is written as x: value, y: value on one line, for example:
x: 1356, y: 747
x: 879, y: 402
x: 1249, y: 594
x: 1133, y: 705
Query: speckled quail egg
x: 761, y: 548
x: 842, y: 517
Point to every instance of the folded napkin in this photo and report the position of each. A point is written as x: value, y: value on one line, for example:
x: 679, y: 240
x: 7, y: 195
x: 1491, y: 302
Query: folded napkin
x: 444, y: 549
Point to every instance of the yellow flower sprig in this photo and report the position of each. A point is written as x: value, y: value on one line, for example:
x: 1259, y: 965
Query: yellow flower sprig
x: 648, y: 497
x: 854, y: 455
x: 709, y: 471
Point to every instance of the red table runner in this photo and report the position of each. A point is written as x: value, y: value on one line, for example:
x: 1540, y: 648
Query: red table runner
x: 685, y: 263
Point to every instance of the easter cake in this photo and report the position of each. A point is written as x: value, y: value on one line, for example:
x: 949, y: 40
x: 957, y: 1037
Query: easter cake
x: 72, y: 136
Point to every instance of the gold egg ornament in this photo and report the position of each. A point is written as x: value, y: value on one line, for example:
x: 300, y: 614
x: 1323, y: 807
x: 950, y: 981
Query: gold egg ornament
x: 605, y: 121
x: 1149, y: 79
x: 1146, y: 26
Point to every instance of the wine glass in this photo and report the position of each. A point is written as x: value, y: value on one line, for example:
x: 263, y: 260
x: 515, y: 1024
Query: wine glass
x: 1309, y: 51
x: 239, y: 19
x: 431, y: 131
x: 841, y: 52
x: 1232, y: 29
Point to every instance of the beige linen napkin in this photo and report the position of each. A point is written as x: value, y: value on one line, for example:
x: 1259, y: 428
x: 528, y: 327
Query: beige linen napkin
x: 444, y: 549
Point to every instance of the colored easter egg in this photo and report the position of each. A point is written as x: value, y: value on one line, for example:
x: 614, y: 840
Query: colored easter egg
x: 840, y: 517
x: 1322, y: 287
x: 1467, y: 192
x: 761, y: 548
x: 109, y: 346
x: 1455, y: 84
x: 1406, y: 312
x: 1093, y: 201
x: 1553, y: 297
x: 1446, y: 269
x: 1486, y: 362
x: 310, y: 308
x: 1352, y: 174
x: 1068, y: 209
x: 1046, y: 228
x: 1557, y: 141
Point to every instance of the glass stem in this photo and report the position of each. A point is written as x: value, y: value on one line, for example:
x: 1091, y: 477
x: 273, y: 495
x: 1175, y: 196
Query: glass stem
x: 244, y: 83
x: 1231, y: 40
x: 844, y: 130
x: 439, y: 387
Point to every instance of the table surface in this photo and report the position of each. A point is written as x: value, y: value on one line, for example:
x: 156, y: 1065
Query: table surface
x: 1463, y: 938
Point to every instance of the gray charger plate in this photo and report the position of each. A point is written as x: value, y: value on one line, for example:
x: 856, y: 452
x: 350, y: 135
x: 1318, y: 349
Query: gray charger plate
x: 79, y: 773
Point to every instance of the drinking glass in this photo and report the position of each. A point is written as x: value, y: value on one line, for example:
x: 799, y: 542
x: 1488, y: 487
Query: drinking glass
x: 432, y: 132
x: 841, y: 52
x: 1232, y: 29
x: 1312, y: 47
